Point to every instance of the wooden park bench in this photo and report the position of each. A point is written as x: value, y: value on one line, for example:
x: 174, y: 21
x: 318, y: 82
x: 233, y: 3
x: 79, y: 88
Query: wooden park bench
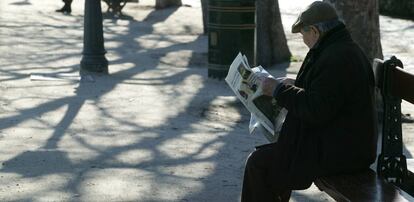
x: 393, y: 179
x: 116, y: 6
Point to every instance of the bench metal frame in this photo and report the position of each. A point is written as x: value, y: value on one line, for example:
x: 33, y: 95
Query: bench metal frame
x: 392, y: 163
x: 116, y: 6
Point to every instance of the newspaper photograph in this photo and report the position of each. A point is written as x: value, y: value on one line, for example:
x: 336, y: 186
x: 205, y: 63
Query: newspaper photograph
x: 265, y: 113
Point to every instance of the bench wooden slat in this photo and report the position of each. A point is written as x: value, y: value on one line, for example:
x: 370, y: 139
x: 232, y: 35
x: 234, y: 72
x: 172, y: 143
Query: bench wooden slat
x: 402, y: 84
x: 365, y: 186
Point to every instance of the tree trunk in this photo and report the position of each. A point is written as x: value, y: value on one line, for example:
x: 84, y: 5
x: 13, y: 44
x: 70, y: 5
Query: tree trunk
x: 204, y: 10
x: 271, y: 46
x: 362, y: 19
x: 400, y: 8
x: 159, y: 4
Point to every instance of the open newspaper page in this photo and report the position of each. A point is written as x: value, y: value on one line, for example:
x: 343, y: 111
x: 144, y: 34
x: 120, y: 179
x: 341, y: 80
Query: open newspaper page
x: 264, y: 109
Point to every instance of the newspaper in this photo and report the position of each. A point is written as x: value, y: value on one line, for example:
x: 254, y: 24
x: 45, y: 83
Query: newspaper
x: 265, y: 113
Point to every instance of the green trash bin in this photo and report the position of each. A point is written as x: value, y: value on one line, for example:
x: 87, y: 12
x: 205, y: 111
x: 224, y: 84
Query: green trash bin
x: 231, y: 29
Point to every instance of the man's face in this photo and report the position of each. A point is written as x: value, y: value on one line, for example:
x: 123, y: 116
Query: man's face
x: 310, y: 35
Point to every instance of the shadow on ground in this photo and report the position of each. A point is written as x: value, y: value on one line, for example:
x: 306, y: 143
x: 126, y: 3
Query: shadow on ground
x: 180, y: 164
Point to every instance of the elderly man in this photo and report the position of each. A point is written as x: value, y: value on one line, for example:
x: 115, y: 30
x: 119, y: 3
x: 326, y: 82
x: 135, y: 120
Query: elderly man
x: 330, y: 127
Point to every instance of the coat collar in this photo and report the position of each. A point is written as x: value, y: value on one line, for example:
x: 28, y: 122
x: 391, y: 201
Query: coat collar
x: 337, y: 34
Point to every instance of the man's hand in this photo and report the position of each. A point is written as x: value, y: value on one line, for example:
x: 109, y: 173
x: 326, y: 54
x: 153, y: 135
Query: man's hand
x: 269, y: 84
x: 286, y: 80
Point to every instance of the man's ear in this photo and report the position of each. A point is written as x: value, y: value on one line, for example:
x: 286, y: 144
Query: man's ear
x: 315, y: 30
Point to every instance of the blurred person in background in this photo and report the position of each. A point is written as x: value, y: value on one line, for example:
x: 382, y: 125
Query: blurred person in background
x: 66, y: 9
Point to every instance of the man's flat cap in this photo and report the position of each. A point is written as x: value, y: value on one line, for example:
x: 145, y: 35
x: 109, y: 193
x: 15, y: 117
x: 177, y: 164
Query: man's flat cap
x: 315, y: 13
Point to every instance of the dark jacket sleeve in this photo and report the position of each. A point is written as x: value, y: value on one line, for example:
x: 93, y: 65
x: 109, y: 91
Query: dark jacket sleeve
x: 323, y: 95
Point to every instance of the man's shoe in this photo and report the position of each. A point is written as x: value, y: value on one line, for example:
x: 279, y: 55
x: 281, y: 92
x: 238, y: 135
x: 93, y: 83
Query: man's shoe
x: 65, y: 10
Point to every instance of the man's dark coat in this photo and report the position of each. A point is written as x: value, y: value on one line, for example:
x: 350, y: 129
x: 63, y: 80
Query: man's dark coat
x: 331, y: 124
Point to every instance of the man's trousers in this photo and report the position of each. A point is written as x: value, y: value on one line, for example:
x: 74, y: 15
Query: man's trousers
x: 265, y: 175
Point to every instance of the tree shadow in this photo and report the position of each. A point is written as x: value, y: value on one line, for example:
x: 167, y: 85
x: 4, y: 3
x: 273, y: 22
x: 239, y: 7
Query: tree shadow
x: 408, y: 28
x: 21, y: 3
x: 177, y: 155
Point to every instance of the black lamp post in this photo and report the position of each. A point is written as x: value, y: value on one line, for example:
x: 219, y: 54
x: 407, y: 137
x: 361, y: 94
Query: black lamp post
x: 93, y: 55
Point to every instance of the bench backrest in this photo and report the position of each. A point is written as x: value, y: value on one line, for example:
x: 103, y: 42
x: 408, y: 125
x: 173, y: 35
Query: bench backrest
x: 394, y: 84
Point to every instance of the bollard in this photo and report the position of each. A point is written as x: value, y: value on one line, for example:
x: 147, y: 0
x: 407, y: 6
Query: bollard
x: 93, y: 58
x: 231, y: 29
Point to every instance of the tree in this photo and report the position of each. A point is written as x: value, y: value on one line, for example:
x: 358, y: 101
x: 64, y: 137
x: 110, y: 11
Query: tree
x: 272, y: 46
x: 204, y: 9
x: 400, y: 8
x: 159, y: 4
x: 362, y: 19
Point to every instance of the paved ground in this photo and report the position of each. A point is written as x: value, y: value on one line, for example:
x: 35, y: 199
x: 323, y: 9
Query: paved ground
x: 155, y: 129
